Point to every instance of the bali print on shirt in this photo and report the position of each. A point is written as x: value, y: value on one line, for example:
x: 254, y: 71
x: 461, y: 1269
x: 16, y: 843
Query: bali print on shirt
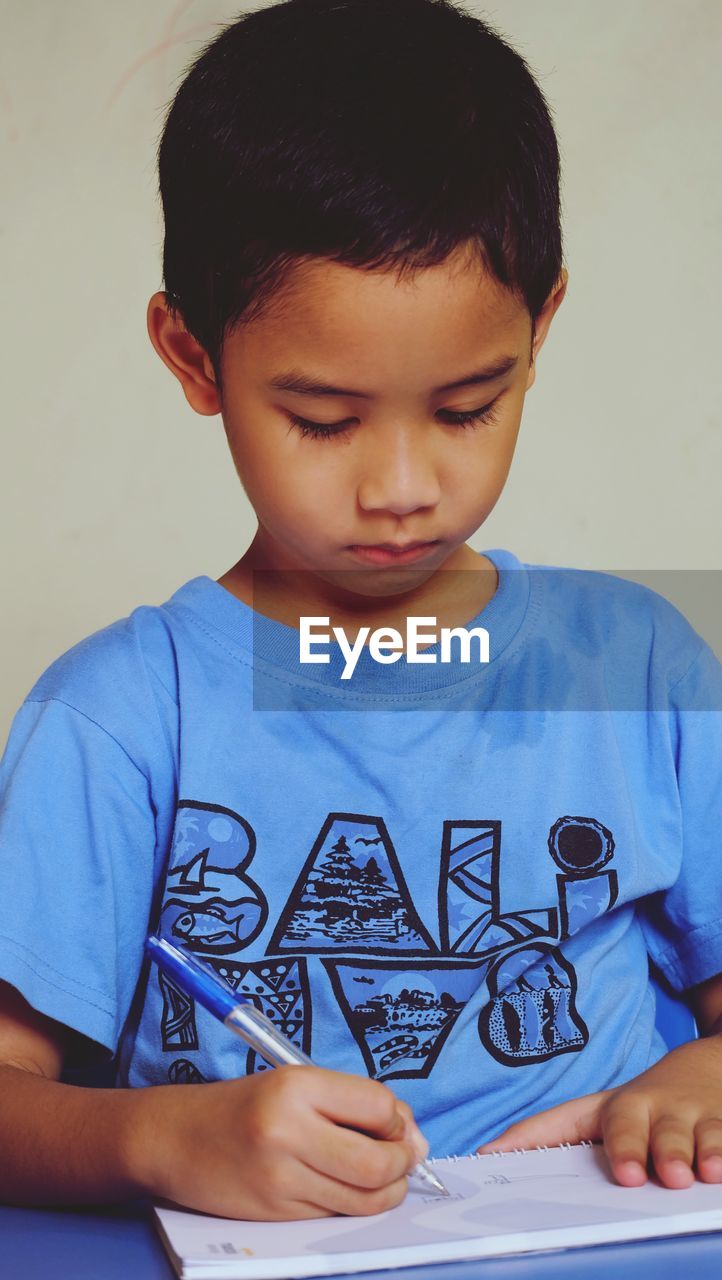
x: 351, y: 895
x: 470, y: 918
x: 183, y: 1071
x: 278, y: 988
x: 398, y: 991
x: 531, y: 1014
x: 212, y: 905
x: 400, y: 1015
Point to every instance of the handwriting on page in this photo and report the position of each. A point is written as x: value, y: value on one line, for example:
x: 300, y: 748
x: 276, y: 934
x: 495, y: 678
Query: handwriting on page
x: 494, y: 1180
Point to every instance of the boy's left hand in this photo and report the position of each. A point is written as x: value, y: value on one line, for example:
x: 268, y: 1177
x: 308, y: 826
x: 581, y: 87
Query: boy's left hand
x: 670, y: 1115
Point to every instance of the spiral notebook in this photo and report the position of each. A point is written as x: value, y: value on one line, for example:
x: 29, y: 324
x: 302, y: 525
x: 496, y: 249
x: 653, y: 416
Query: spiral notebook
x: 560, y: 1197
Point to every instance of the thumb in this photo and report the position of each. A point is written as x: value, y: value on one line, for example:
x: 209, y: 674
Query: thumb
x: 575, y: 1121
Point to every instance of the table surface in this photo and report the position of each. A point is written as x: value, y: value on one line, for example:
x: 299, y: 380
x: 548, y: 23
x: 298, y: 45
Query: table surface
x: 122, y: 1244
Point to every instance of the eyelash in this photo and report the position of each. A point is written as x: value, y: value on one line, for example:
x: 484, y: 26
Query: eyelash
x: 323, y: 430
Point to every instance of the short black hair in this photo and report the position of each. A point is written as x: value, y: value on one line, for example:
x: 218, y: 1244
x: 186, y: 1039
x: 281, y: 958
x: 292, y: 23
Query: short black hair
x: 380, y: 134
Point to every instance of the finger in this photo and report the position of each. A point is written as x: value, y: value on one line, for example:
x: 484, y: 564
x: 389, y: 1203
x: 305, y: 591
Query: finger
x: 295, y: 1211
x: 708, y: 1143
x: 671, y: 1145
x: 625, y: 1131
x: 337, y: 1196
x: 354, y: 1158
x: 288, y: 1192
x: 357, y: 1103
x: 412, y: 1132
x: 575, y: 1121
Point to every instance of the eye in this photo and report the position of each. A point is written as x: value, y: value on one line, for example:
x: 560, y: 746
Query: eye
x: 472, y: 417
x: 320, y: 429
x: 324, y: 430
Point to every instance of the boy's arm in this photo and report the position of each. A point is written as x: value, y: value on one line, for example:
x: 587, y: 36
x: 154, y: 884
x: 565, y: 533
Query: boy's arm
x: 283, y: 1144
x: 58, y: 1144
x: 669, y: 1116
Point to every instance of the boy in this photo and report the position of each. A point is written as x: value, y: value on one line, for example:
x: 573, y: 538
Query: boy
x: 442, y: 880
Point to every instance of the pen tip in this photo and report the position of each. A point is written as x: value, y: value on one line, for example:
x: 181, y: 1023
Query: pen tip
x: 435, y: 1182
x: 428, y: 1179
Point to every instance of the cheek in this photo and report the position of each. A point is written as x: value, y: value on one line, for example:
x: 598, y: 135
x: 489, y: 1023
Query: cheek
x: 477, y: 476
x: 300, y: 491
x: 476, y: 463
x: 320, y: 472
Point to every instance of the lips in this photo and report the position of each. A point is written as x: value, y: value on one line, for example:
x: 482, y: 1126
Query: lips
x: 381, y: 553
x: 398, y: 547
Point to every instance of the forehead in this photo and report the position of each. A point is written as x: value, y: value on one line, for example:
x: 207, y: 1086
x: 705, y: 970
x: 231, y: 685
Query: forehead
x: 443, y: 316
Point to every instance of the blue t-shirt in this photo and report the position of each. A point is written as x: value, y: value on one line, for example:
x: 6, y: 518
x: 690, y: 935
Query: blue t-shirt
x: 447, y: 876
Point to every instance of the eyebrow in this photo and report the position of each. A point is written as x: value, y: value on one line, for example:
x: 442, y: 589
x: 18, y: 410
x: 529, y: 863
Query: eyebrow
x: 295, y: 380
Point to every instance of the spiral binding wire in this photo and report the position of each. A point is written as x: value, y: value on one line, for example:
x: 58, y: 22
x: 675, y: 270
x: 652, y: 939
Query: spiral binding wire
x: 516, y: 1151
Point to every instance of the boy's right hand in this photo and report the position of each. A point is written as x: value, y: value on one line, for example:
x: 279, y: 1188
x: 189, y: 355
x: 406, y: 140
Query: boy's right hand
x: 295, y: 1142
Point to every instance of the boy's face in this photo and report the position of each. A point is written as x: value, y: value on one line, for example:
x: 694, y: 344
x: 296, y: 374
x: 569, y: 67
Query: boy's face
x: 390, y: 465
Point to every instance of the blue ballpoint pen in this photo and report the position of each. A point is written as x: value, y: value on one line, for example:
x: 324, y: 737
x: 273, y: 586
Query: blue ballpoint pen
x: 242, y: 1017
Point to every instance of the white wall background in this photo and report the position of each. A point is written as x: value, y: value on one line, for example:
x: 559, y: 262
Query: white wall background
x: 113, y: 492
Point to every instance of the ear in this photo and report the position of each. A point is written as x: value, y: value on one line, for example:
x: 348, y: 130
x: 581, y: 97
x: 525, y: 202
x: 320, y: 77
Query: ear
x: 544, y: 319
x: 183, y: 355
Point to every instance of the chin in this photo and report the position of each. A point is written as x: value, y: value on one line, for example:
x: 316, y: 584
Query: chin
x: 376, y: 583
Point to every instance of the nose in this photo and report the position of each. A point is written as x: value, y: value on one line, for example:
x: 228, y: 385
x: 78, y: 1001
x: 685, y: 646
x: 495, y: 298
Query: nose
x: 398, y: 473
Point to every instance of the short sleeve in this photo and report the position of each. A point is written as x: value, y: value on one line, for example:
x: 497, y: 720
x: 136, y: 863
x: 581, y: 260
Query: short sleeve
x: 683, y: 924
x: 77, y: 843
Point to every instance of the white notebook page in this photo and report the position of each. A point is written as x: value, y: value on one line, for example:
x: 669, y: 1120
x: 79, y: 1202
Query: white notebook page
x: 499, y: 1204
